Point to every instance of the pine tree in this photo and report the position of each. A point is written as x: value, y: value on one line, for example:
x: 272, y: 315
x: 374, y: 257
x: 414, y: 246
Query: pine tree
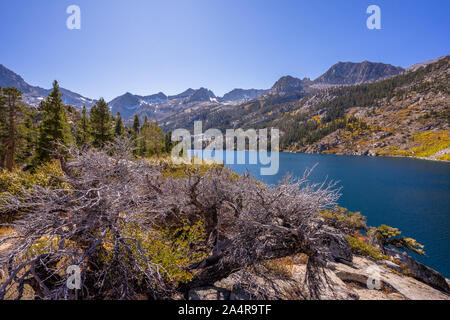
x: 55, y: 127
x: 168, y: 144
x: 151, y: 140
x: 13, y: 110
x: 101, y: 124
x: 83, y: 135
x: 119, y: 127
x: 3, y: 129
x: 157, y: 139
x: 31, y: 134
x: 144, y: 136
x: 136, y: 124
x: 24, y: 129
x: 135, y: 129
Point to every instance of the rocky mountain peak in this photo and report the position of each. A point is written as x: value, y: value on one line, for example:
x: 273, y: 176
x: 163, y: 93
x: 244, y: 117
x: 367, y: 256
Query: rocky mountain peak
x: 353, y: 73
x: 185, y: 94
x: 287, y: 84
x: 33, y: 95
x: 201, y: 95
x: 241, y: 94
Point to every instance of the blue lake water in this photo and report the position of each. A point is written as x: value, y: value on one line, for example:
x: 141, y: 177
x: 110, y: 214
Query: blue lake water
x: 410, y: 194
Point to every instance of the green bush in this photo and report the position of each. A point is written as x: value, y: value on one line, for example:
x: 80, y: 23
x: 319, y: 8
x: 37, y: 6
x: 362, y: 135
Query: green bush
x: 173, y: 249
x: 347, y: 221
x: 359, y: 247
x: 46, y: 175
x: 16, y: 182
x: 387, y: 236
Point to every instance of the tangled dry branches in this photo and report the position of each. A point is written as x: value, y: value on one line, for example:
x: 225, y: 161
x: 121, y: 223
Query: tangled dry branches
x: 93, y: 224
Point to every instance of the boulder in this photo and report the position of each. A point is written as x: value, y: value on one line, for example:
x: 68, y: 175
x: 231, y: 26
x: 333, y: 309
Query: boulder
x: 338, y: 249
x: 209, y: 293
x: 427, y: 275
x: 394, y: 284
x: 421, y: 272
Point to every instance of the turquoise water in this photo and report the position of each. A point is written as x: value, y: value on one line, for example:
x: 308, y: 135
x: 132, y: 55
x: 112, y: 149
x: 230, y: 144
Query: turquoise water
x: 412, y: 195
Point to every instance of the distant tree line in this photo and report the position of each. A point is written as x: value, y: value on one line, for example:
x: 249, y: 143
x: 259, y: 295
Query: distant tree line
x: 30, y: 136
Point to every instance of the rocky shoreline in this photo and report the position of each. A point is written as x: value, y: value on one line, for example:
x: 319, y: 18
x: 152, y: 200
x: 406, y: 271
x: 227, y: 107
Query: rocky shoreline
x: 370, y: 153
x: 363, y: 279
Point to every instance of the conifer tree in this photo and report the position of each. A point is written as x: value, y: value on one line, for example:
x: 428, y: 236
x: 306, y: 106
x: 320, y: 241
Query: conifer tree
x: 136, y: 125
x: 55, y: 127
x: 168, y: 144
x: 157, y: 139
x: 101, y: 124
x: 31, y: 134
x: 144, y: 136
x: 13, y: 114
x: 151, y: 140
x: 83, y: 135
x: 135, y: 129
x: 3, y: 129
x: 119, y: 127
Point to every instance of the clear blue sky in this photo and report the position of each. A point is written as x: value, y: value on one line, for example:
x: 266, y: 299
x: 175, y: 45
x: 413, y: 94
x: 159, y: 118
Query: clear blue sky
x: 146, y: 46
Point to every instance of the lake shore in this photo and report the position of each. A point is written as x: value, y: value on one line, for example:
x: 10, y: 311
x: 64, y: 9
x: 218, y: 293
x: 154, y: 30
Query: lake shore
x: 404, y: 193
x: 369, y: 156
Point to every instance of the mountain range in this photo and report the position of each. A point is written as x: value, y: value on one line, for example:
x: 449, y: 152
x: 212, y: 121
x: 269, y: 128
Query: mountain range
x: 353, y: 108
x: 407, y: 114
x: 355, y: 73
x: 33, y: 95
x: 160, y: 106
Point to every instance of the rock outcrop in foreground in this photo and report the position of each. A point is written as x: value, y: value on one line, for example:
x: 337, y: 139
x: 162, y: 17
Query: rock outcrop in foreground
x: 350, y: 282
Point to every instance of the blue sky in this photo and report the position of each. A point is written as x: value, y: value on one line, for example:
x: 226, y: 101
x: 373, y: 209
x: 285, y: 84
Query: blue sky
x: 147, y: 46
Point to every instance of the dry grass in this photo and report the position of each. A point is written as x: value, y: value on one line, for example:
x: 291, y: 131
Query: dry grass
x: 28, y: 292
x: 5, y: 232
x: 286, y: 266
